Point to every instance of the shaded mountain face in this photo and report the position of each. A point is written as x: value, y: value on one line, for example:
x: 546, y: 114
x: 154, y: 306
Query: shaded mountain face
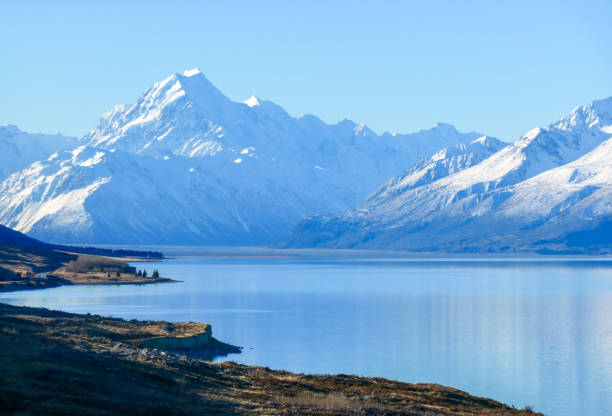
x: 19, y: 149
x: 186, y: 165
x: 8, y: 236
x: 535, y: 193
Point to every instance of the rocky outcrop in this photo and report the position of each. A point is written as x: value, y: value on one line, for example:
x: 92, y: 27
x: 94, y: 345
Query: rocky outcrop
x: 192, y: 338
x: 193, y: 342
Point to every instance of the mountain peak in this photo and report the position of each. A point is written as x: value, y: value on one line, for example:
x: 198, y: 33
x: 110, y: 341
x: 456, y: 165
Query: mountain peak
x: 9, y: 130
x: 192, y: 72
x: 253, y: 101
x: 190, y: 84
x: 596, y: 113
x: 445, y: 126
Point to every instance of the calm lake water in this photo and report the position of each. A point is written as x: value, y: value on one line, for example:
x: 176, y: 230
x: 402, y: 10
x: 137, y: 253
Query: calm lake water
x: 526, y: 332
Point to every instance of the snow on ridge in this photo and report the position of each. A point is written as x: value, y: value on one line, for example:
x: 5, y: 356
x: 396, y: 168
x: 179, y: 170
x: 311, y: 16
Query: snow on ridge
x: 252, y: 101
x: 553, y: 180
x: 192, y: 72
x: 19, y: 149
x: 597, y: 112
x: 183, y: 141
x: 212, y: 161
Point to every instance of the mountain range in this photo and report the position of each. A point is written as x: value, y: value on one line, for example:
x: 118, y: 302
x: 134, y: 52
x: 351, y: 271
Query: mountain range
x: 184, y: 164
x: 550, y: 191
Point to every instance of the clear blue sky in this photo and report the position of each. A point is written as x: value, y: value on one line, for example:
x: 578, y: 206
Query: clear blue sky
x: 499, y: 67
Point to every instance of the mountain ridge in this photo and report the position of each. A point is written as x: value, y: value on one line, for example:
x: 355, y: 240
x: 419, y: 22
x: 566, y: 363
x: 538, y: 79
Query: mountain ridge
x: 19, y: 149
x: 184, y: 164
x: 480, y: 207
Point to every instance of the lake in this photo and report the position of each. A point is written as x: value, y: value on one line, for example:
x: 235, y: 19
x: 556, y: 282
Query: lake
x: 535, y: 331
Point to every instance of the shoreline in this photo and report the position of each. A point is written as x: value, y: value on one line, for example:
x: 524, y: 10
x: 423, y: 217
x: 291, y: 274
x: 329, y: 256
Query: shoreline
x: 30, y: 268
x: 52, y: 283
x: 180, y: 251
x: 65, y: 363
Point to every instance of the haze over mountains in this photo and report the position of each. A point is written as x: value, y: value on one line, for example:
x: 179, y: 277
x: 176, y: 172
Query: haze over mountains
x: 186, y: 165
x: 550, y: 190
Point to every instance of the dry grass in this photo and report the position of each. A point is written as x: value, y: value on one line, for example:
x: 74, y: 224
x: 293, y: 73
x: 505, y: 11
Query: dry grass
x: 105, y: 264
x: 325, y: 401
x: 56, y: 363
x: 24, y: 268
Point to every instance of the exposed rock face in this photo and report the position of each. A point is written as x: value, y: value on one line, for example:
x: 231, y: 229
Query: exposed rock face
x: 191, y: 342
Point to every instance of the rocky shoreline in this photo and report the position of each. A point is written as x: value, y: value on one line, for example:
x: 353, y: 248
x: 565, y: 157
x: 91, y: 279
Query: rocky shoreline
x: 61, y: 363
x: 58, y: 363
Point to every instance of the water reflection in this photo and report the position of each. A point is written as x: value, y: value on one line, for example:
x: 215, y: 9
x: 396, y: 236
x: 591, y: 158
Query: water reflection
x: 526, y: 332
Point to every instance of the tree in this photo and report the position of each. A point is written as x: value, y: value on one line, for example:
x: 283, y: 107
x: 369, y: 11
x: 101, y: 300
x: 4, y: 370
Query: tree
x: 118, y: 274
x: 155, y: 273
x: 144, y: 273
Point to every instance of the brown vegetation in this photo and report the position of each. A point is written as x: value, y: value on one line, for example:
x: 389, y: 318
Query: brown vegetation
x: 26, y: 267
x: 57, y: 363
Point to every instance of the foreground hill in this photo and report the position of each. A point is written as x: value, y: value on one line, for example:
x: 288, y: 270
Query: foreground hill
x: 57, y: 363
x: 185, y: 164
x: 548, y: 191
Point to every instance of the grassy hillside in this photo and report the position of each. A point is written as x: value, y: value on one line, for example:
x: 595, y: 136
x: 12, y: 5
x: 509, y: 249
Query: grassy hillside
x: 57, y: 363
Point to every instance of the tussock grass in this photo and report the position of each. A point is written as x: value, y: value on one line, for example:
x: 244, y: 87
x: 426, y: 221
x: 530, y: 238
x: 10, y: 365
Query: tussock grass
x: 326, y: 401
x: 86, y: 262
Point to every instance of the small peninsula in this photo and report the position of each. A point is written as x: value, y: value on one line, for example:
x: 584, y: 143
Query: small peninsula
x: 30, y: 267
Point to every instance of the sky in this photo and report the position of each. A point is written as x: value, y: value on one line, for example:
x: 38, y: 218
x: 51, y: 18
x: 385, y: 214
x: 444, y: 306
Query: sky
x: 497, y: 67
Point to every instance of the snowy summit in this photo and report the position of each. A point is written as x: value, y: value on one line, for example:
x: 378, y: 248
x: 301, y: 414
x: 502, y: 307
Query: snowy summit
x: 252, y: 101
x: 185, y: 164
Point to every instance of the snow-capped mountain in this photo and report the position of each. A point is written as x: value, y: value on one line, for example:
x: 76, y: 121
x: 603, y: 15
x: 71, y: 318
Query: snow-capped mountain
x: 186, y: 115
x: 441, y: 164
x: 185, y: 164
x: 19, y: 149
x: 549, y: 184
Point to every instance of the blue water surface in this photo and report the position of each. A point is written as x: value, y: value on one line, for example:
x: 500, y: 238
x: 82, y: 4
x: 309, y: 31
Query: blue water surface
x: 531, y: 331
